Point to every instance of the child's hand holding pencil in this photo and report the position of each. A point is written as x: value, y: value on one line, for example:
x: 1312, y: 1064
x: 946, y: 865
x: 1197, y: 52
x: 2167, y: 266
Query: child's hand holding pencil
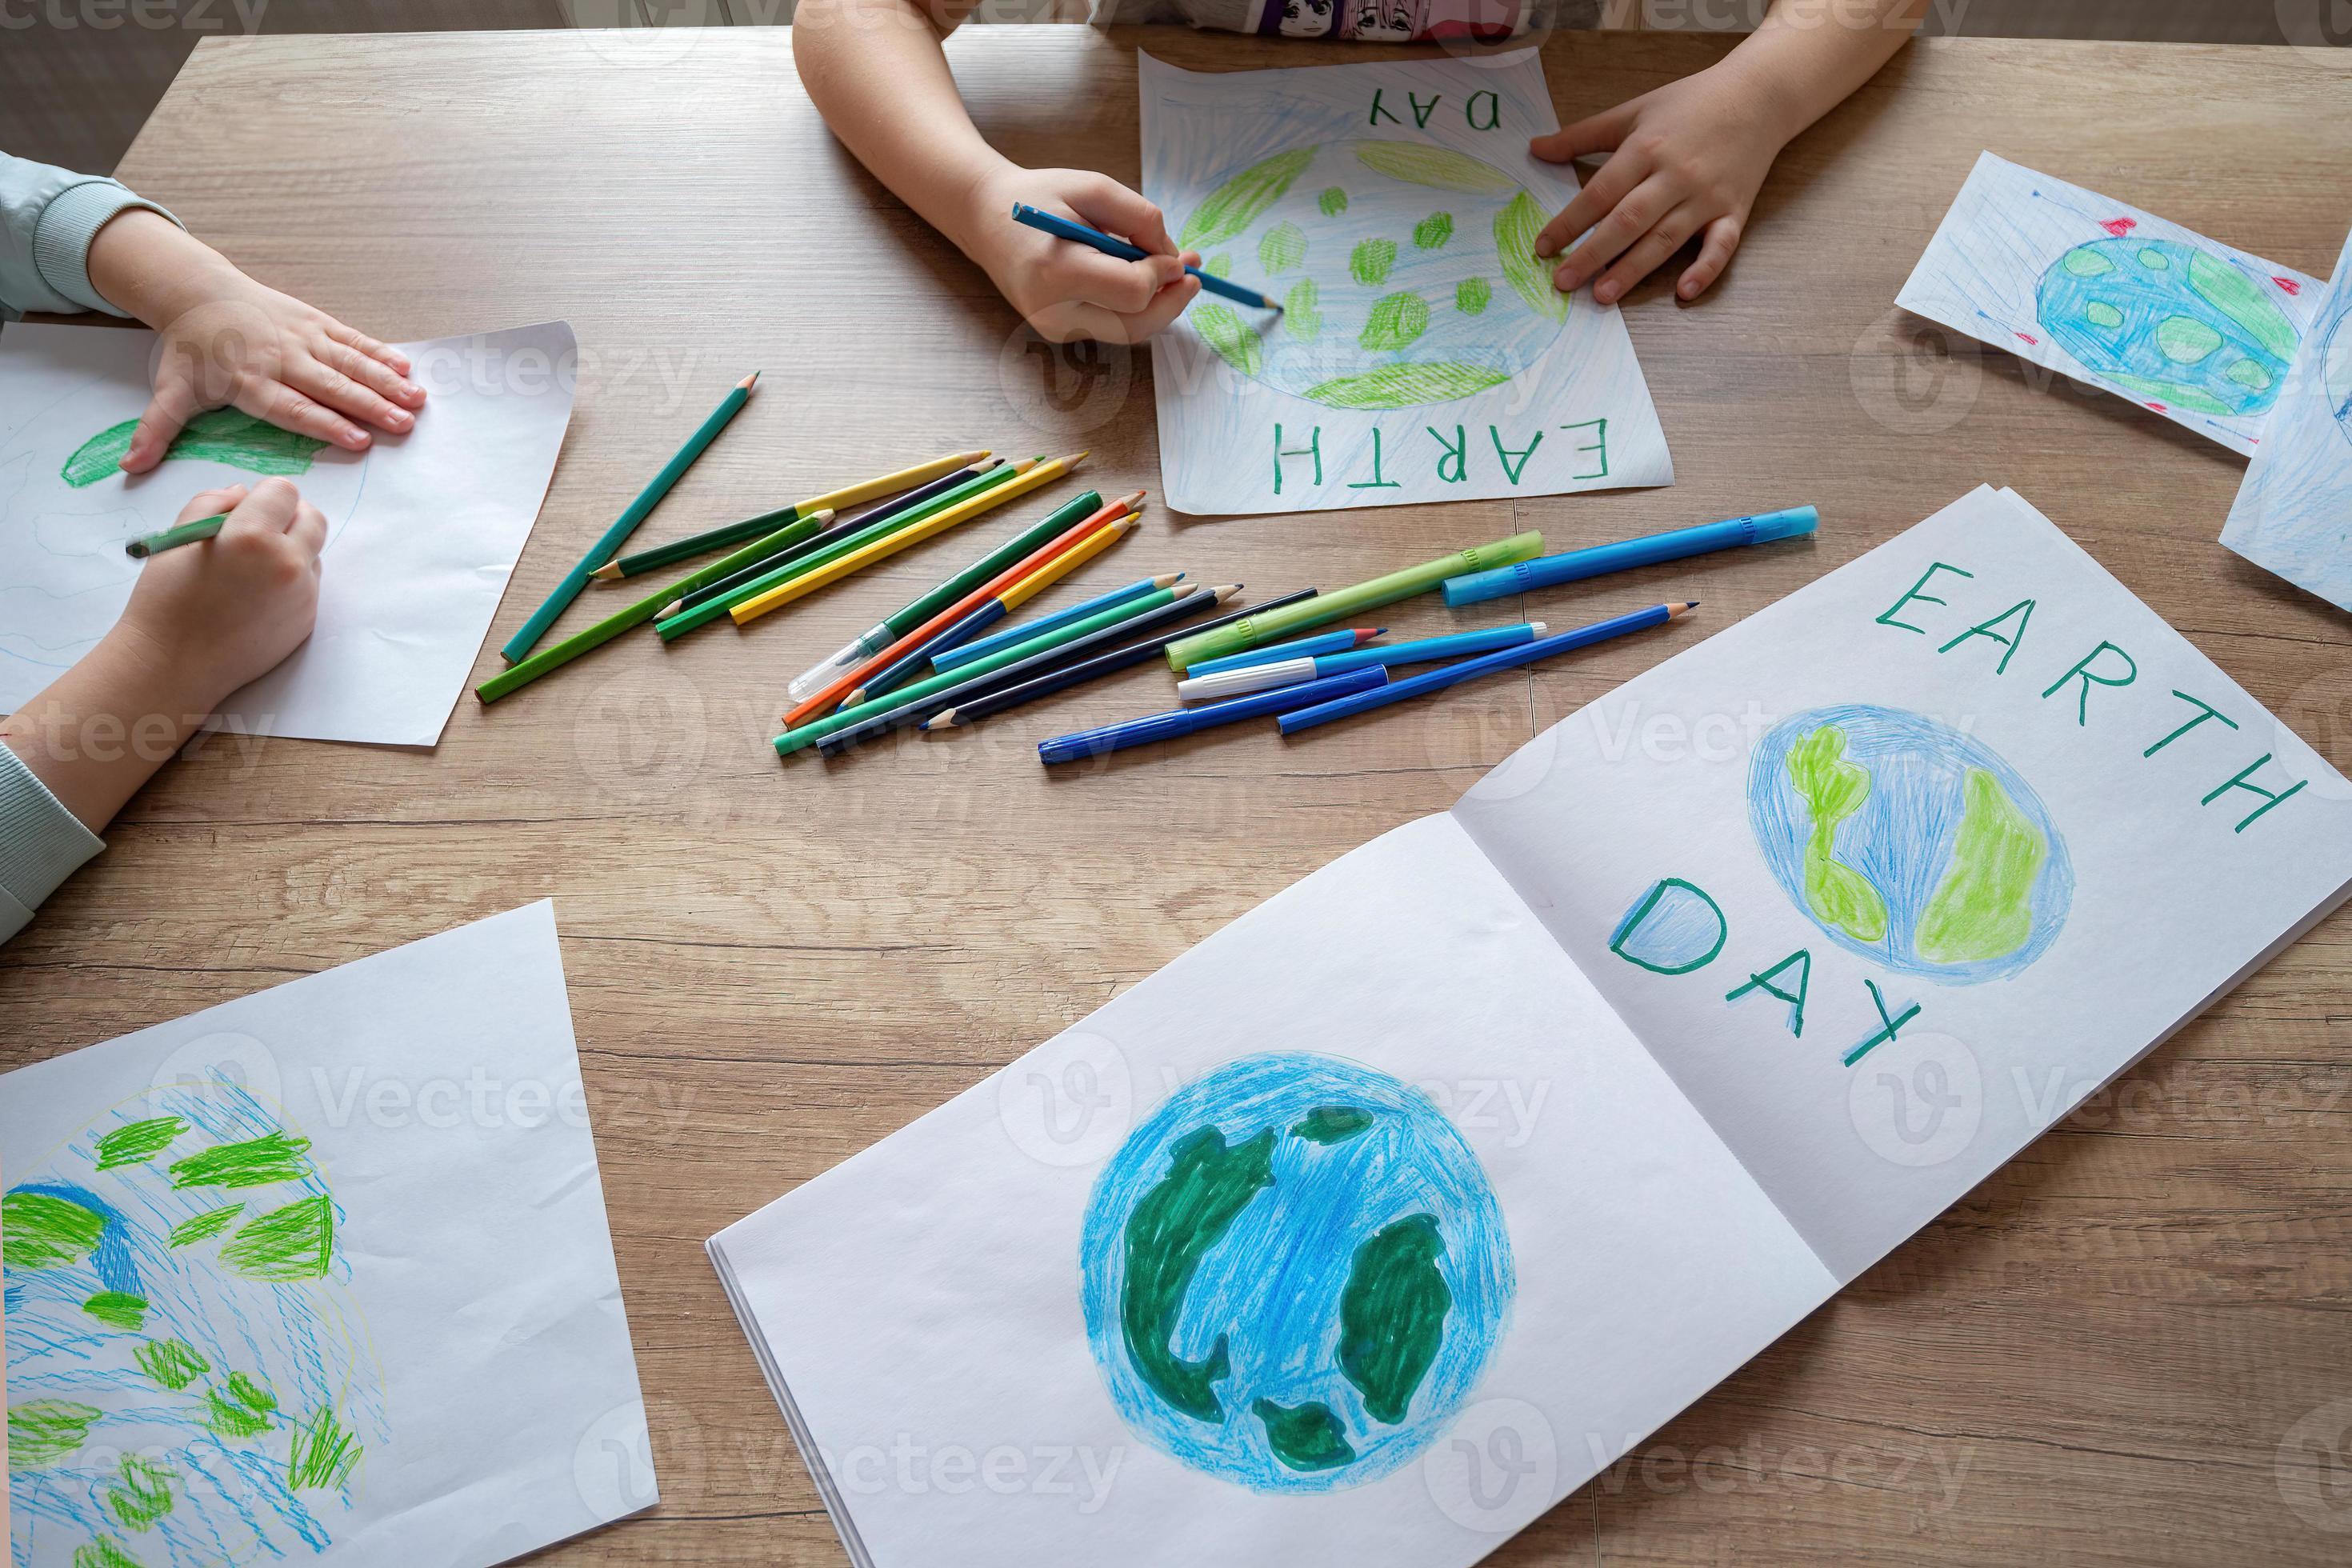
x: 1069, y: 292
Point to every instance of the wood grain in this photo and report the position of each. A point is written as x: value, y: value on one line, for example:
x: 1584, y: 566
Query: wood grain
x: 2094, y: 1358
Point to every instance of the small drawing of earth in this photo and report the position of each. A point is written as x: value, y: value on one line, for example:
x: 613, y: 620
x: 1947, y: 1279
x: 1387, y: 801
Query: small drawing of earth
x: 1909, y: 843
x: 2170, y: 323
x: 1407, y: 273
x: 55, y: 610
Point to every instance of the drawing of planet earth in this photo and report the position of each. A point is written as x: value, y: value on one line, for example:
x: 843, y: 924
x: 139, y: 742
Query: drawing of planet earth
x: 1407, y: 274
x: 2171, y: 323
x: 1908, y: 843
x: 1294, y: 1273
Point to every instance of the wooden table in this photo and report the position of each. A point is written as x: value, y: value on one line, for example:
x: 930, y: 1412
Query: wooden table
x: 2094, y: 1357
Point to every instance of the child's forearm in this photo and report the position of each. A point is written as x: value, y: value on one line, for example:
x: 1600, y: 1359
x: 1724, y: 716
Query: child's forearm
x: 876, y: 72
x: 99, y: 731
x: 1809, y: 54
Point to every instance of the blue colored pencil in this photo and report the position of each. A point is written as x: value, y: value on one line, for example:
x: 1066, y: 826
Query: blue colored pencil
x: 1438, y: 680
x: 523, y: 641
x: 964, y: 653
x: 1297, y: 647
x: 1062, y: 228
x: 1167, y: 726
x: 1291, y: 671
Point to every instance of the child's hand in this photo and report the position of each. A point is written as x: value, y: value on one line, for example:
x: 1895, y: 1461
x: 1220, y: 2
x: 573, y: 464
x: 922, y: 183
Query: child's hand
x: 1686, y: 159
x: 213, y: 616
x: 1067, y: 290
x: 227, y: 340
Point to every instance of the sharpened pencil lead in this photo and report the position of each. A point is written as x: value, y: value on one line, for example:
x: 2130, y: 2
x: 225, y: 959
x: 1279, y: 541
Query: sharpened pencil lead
x: 749, y: 382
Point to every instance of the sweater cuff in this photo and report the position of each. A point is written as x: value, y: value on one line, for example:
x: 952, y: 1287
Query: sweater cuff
x: 68, y: 224
x: 41, y: 843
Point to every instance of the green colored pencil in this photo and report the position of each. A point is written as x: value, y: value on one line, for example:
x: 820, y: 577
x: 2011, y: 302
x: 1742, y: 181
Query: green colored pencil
x: 636, y: 615
x: 711, y: 609
x: 173, y: 538
x: 809, y: 734
x: 605, y: 548
x: 677, y: 550
x: 1252, y: 630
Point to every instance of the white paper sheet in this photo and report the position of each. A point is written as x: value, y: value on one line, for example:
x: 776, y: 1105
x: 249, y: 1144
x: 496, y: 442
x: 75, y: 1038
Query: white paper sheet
x: 924, y: 1302
x: 430, y: 1282
x: 2294, y: 513
x: 2143, y: 901
x: 422, y: 529
x: 1413, y: 365
x: 2198, y: 331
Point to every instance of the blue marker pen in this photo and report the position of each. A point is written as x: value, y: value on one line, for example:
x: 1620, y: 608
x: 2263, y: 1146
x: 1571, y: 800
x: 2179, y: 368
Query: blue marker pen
x: 1291, y: 671
x: 1477, y: 587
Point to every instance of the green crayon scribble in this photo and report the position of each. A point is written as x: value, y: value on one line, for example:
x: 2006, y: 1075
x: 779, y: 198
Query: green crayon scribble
x: 1438, y: 167
x: 1395, y: 321
x: 1516, y: 228
x: 1983, y: 907
x: 1235, y: 342
x: 1300, y: 319
x: 143, y: 1495
x: 2236, y: 296
x: 43, y: 1431
x: 296, y: 1242
x: 1218, y: 266
x: 257, y: 1162
x: 324, y: 1457
x: 1833, y: 789
x: 241, y: 1410
x: 1332, y: 1124
x: 1232, y: 206
x: 1406, y: 386
x: 205, y: 1226
x: 100, y: 1552
x: 170, y: 1363
x: 1471, y: 296
x: 118, y: 1310
x: 227, y: 436
x: 1370, y: 262
x: 1307, y: 1438
x: 1392, y: 1315
x: 1282, y: 247
x: 1333, y: 201
x: 1173, y: 1228
x: 139, y: 1142
x: 1432, y: 232
x: 38, y: 1230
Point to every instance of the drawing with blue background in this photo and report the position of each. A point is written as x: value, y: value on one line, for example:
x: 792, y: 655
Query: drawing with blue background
x: 2169, y: 322
x: 187, y: 1380
x: 1294, y: 1274
x: 1909, y: 843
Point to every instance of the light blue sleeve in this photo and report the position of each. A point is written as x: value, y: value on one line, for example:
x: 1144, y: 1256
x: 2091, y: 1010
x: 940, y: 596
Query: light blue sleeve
x: 48, y: 218
x: 41, y: 843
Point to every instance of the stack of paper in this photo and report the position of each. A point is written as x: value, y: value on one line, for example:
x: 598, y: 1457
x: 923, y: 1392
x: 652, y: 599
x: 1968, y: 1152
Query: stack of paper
x: 1392, y: 1214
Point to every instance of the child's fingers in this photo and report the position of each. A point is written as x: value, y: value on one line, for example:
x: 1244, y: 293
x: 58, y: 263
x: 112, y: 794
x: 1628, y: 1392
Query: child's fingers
x: 1610, y: 186
x: 367, y: 346
x: 331, y: 387
x: 373, y: 374
x: 1627, y: 222
x: 175, y: 403
x: 1594, y: 133
x: 1124, y: 286
x: 309, y: 530
x: 288, y: 409
x: 1162, y: 310
x: 211, y: 503
x: 1111, y: 206
x: 269, y: 507
x: 1713, y: 256
x: 1647, y: 254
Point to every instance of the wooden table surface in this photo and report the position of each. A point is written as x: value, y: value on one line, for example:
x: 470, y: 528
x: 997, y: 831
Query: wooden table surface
x: 2096, y: 1357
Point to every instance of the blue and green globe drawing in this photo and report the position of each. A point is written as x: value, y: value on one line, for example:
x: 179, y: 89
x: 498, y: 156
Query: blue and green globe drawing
x: 2169, y: 322
x: 1407, y: 273
x: 1294, y: 1274
x: 1909, y: 843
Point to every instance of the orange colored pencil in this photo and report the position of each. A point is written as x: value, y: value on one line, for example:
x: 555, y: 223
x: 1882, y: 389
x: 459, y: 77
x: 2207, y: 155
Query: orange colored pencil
x: 849, y: 680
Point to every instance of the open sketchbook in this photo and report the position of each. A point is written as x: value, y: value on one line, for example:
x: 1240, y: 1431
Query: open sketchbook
x: 1422, y: 353
x: 321, y: 1274
x: 2192, y: 329
x: 1396, y: 1210
x: 2294, y: 513
x: 421, y: 529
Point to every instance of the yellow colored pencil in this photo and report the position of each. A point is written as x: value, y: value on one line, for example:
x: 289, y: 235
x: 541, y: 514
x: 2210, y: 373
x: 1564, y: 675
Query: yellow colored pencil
x: 858, y: 560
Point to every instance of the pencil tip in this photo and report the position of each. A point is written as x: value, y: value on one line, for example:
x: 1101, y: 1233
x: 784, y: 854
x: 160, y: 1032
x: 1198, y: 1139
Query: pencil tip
x: 749, y: 382
x: 606, y: 572
x: 673, y: 607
